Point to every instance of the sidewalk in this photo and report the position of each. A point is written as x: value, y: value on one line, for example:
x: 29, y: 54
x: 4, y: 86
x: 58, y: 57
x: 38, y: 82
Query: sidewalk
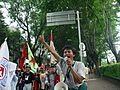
x: 95, y: 83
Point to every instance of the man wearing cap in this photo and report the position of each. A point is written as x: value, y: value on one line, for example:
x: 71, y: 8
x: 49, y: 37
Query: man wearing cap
x: 27, y: 78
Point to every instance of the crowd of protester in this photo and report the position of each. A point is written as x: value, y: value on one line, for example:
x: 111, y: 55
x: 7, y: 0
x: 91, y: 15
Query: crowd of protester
x: 43, y: 79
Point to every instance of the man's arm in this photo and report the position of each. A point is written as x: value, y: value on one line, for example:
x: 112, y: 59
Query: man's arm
x: 76, y: 76
x: 55, y: 54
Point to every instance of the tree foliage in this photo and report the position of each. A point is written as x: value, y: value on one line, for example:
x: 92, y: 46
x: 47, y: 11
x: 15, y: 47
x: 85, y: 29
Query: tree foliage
x: 15, y: 45
x: 3, y: 29
x: 13, y: 40
x: 98, y: 22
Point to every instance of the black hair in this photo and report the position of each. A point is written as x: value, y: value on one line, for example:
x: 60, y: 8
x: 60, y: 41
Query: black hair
x: 27, y: 66
x: 69, y: 47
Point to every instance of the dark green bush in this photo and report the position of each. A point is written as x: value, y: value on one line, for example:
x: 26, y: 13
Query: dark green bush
x: 112, y: 70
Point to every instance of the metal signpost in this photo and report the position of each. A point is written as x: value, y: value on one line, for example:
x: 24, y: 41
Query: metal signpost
x: 79, y: 33
x: 65, y: 17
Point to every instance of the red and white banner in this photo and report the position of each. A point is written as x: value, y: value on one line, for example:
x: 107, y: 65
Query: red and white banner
x: 52, y: 46
x: 7, y: 68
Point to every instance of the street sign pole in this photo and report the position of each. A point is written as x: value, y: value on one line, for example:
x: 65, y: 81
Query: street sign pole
x: 79, y: 34
x: 63, y: 18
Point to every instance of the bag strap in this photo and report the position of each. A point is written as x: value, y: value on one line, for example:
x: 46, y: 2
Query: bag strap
x: 68, y: 72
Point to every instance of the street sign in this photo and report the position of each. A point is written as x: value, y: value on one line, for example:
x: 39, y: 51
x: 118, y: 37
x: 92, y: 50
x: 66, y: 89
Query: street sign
x: 82, y: 46
x: 65, y: 17
x: 60, y: 18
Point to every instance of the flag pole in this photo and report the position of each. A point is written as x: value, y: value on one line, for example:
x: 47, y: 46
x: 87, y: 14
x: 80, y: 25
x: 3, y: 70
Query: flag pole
x: 79, y: 34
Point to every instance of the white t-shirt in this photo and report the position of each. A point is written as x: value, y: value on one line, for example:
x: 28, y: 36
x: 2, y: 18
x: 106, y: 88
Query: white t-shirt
x: 44, y: 80
x: 80, y: 69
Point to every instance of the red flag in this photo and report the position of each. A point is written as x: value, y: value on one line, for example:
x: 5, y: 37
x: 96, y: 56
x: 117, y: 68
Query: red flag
x: 51, y: 37
x: 24, y: 55
x: 52, y: 46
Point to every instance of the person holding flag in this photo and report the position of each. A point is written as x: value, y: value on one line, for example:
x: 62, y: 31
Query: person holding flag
x: 7, y: 68
x: 28, y: 61
x: 74, y: 71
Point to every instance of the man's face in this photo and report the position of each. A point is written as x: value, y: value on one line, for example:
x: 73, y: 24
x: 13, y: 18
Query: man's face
x: 42, y: 70
x: 27, y: 69
x: 68, y: 53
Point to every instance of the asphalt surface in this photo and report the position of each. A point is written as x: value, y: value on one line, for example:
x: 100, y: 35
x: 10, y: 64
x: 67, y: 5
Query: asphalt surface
x: 97, y: 83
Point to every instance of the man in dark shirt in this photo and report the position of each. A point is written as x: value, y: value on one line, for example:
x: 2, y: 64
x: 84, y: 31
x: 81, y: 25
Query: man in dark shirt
x: 27, y: 78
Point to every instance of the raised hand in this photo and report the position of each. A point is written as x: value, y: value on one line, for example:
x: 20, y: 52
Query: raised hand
x: 69, y: 62
x: 42, y: 38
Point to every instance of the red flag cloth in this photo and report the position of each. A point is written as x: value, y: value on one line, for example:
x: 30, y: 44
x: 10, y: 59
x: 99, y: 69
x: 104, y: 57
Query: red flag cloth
x: 51, y: 37
x: 42, y: 66
x: 57, y: 78
x: 52, y: 46
x: 24, y: 55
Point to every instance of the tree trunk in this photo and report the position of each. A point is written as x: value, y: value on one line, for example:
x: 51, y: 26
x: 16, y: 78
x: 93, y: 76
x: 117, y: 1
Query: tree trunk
x: 109, y: 37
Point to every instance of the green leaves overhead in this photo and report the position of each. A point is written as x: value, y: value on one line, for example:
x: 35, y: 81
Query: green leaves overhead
x: 95, y: 30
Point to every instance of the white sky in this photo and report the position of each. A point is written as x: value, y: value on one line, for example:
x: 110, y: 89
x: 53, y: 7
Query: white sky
x: 7, y: 18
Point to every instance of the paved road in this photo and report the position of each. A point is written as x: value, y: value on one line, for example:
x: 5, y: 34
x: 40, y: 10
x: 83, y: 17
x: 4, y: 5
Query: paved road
x: 95, y: 83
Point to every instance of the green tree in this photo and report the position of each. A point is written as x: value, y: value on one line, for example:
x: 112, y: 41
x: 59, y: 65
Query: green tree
x: 3, y: 28
x: 30, y: 16
x: 15, y: 44
x: 97, y: 21
x: 12, y: 36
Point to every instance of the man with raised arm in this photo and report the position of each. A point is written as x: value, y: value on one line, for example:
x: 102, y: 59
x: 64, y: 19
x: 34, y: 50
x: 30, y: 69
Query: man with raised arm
x: 74, y: 71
